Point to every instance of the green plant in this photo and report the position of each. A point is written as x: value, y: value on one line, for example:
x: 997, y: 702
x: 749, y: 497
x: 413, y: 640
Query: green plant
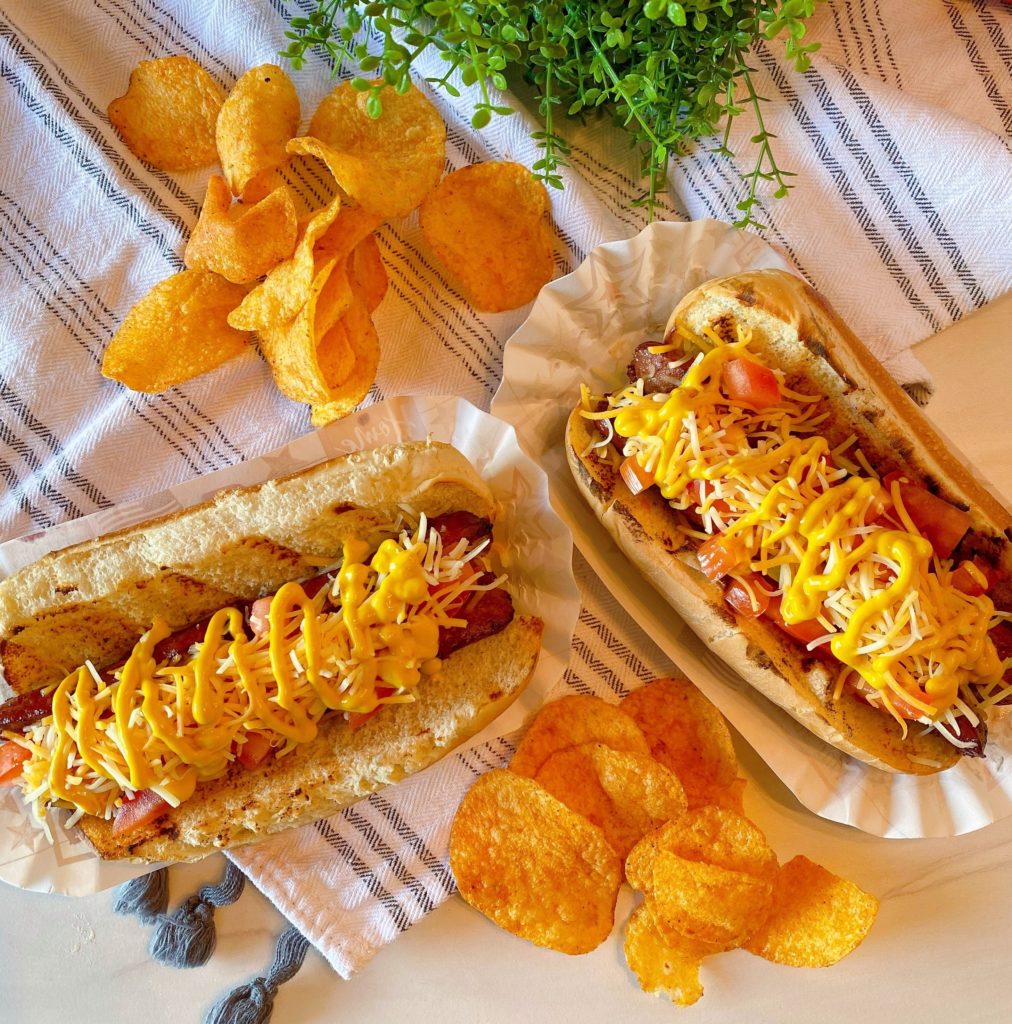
x: 667, y: 72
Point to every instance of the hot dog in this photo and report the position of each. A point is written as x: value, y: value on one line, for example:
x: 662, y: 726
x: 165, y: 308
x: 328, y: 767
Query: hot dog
x: 259, y: 661
x: 798, y: 511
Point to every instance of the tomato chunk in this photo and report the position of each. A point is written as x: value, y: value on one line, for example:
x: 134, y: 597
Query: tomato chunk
x: 358, y: 718
x: 903, y: 708
x: 144, y: 808
x: 636, y: 478
x: 700, y: 490
x: 750, y: 383
x: 719, y: 555
x: 940, y: 522
x: 740, y: 596
x: 12, y: 760
x: 806, y: 631
x: 969, y: 579
x: 254, y: 750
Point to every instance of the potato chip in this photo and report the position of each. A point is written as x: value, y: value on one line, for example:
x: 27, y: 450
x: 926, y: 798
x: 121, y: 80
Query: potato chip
x: 351, y: 227
x: 687, y: 734
x: 702, y: 901
x: 568, y: 723
x: 368, y: 275
x: 390, y: 163
x: 664, y: 966
x: 291, y: 349
x: 364, y: 343
x: 533, y: 866
x: 278, y: 299
x: 730, y: 798
x: 167, y: 115
x: 817, y: 918
x: 625, y: 795
x: 242, y: 242
x: 709, y: 834
x: 177, y: 331
x: 487, y: 225
x: 256, y: 121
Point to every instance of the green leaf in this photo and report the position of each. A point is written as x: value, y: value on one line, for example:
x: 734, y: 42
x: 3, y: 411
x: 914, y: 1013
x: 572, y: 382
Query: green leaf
x: 480, y: 118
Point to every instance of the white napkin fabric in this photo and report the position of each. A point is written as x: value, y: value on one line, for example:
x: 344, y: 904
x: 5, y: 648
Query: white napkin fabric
x: 900, y: 136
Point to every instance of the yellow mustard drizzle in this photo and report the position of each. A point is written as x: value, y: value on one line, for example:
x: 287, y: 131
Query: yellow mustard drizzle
x: 168, y: 727
x: 907, y: 635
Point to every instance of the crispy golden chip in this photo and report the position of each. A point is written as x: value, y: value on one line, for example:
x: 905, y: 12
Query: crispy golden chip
x: 390, y: 163
x: 705, y: 902
x: 256, y: 121
x: 625, y: 795
x: 177, y: 331
x: 487, y: 225
x: 711, y: 834
x: 167, y: 115
x: 686, y: 733
x: 352, y: 226
x: 662, y: 965
x: 277, y: 300
x: 817, y: 918
x: 533, y: 866
x: 242, y: 242
x: 730, y: 798
x: 364, y: 344
x: 568, y: 723
x: 367, y: 273
x: 291, y: 349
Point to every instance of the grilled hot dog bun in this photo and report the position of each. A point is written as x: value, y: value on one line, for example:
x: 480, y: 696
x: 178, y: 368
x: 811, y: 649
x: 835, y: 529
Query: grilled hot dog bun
x: 795, y: 330
x: 93, y: 600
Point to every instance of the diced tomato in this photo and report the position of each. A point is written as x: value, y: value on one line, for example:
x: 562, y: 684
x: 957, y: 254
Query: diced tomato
x: 941, y: 523
x: 740, y: 597
x: 699, y: 489
x: 902, y: 707
x: 254, y: 750
x: 719, y: 555
x: 144, y: 808
x: 12, y: 760
x: 635, y: 476
x: 969, y: 579
x: 750, y: 383
x: 806, y: 631
x: 358, y: 718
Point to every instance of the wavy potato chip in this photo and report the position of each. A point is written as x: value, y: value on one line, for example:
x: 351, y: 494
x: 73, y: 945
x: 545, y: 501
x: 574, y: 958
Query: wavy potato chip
x: 711, y: 834
x: 390, y: 163
x: 367, y: 273
x: 533, y: 866
x: 255, y: 123
x: 177, y: 331
x: 242, y: 242
x: 363, y: 341
x: 291, y: 348
x: 626, y: 795
x: 570, y: 722
x: 277, y: 300
x: 701, y: 901
x: 167, y: 115
x: 487, y: 225
x: 668, y: 966
x: 687, y: 734
x: 817, y: 919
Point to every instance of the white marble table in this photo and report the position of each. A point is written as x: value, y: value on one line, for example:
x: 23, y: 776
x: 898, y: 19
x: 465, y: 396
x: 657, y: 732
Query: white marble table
x: 937, y: 953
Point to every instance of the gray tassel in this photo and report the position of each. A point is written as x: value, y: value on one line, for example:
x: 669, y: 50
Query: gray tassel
x: 146, y: 896
x: 253, y: 1002
x: 186, y: 937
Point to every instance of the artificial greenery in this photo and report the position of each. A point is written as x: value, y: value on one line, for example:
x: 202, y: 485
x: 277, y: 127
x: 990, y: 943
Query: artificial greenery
x: 667, y: 72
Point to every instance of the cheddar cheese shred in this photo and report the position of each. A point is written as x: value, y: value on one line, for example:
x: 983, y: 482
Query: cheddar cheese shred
x: 369, y: 636
x: 809, y: 520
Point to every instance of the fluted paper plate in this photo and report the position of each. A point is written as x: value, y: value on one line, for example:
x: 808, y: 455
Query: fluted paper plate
x: 582, y: 328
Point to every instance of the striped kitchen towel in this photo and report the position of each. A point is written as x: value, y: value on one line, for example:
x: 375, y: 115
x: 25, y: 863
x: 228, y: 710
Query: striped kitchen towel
x: 901, y: 137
